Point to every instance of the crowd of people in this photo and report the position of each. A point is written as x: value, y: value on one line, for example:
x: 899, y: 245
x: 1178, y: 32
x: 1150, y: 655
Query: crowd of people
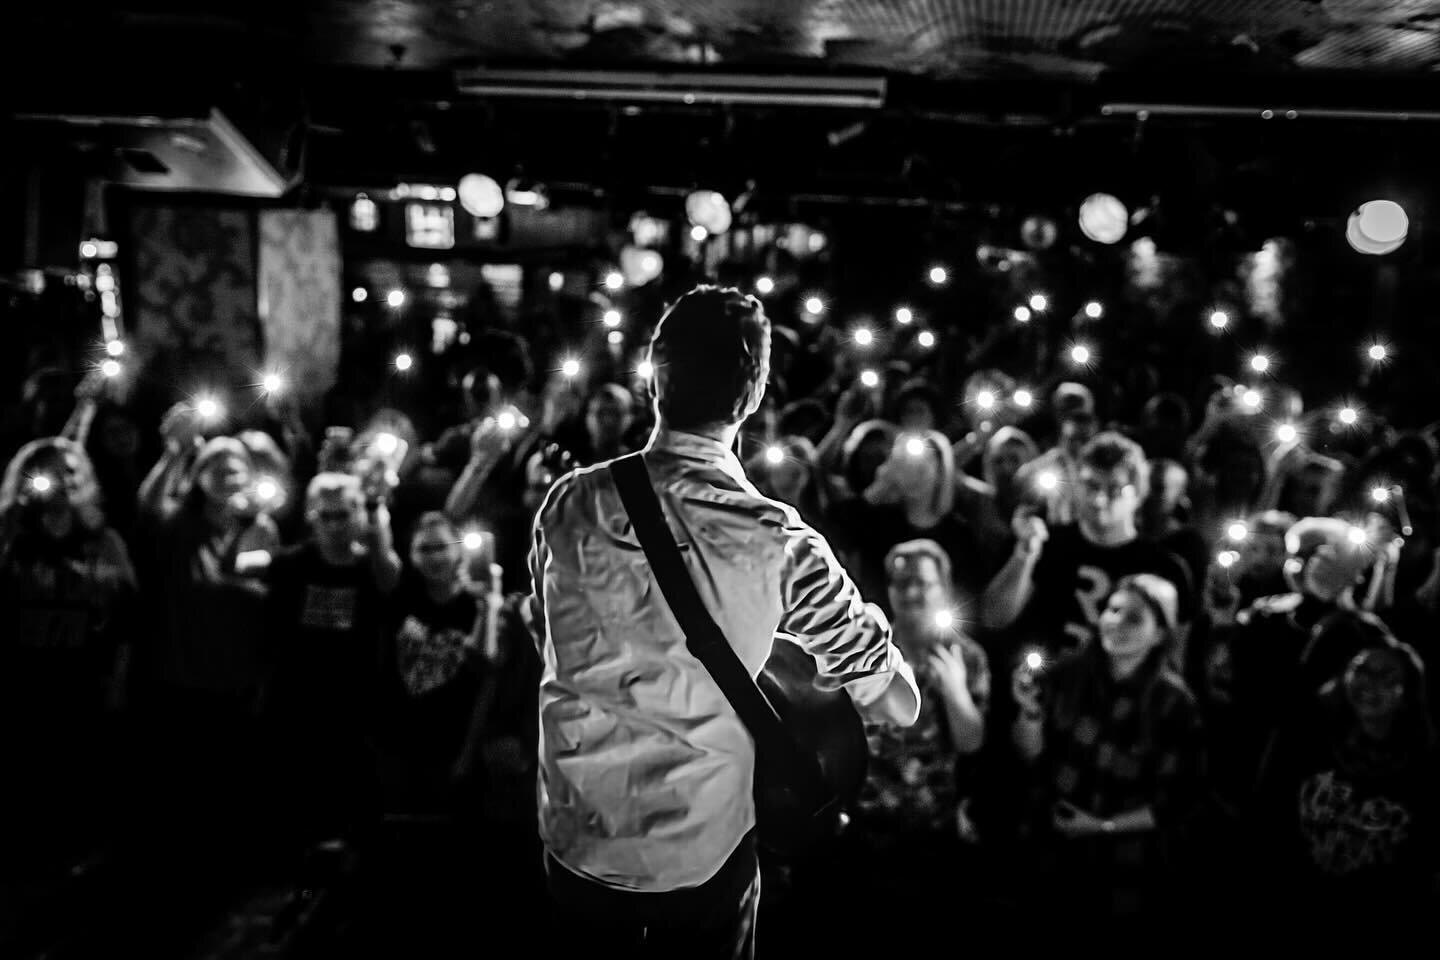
x: 1169, y: 664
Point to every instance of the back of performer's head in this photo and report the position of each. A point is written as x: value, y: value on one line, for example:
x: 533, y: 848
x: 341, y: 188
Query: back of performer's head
x: 711, y: 357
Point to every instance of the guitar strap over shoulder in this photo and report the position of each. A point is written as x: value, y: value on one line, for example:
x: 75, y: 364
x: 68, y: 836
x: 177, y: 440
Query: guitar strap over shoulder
x: 775, y: 748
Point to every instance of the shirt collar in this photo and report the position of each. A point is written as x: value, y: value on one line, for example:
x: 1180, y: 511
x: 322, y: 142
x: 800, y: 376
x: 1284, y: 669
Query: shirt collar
x: 694, y: 446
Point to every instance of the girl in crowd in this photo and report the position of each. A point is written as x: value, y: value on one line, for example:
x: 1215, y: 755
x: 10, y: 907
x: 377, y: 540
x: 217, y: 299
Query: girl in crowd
x: 1113, y: 738
x: 66, y: 589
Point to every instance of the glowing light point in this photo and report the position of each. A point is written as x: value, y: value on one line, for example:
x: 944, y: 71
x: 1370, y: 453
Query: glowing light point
x: 272, y: 383
x: 1356, y: 535
x: 939, y: 275
x: 1380, y: 494
x: 814, y: 306
x: 926, y: 339
x: 571, y: 367
x: 1023, y: 399
x: 1039, y: 302
x: 1286, y: 433
x: 764, y: 285
x: 915, y: 446
x: 864, y: 337
x: 1378, y: 352
x: 1048, y: 480
x: 1080, y: 354
x: 904, y: 315
x: 870, y: 379
x: 698, y: 233
x: 472, y: 541
x: 208, y: 408
x: 944, y: 619
x: 1033, y: 660
x: 611, y: 318
x: 645, y: 369
x: 1348, y: 416
x: 115, y: 348
x: 506, y: 420
x: 110, y: 368
x: 985, y: 399
x: 395, y: 298
x: 774, y: 454
x: 1251, y: 399
x: 267, y: 490
x: 1237, y: 532
x: 40, y: 484
x: 387, y: 444
x: 403, y: 362
x: 1227, y: 558
x: 1219, y: 319
x: 1259, y: 363
x: 359, y: 294
x: 614, y: 280
x: 1094, y: 310
x: 1022, y: 314
x: 615, y: 338
x: 556, y: 281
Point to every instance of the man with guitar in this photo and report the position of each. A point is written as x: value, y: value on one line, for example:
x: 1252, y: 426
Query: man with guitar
x: 646, y: 759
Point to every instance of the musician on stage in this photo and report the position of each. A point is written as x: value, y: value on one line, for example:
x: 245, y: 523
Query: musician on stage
x: 646, y: 770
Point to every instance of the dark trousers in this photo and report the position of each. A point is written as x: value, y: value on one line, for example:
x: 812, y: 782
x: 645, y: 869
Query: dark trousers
x: 714, y: 920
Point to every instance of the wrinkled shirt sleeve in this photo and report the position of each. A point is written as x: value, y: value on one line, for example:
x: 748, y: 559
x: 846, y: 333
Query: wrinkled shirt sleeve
x: 825, y: 614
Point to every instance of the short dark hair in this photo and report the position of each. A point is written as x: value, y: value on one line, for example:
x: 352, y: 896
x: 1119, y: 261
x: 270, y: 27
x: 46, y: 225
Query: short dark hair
x: 1112, y: 451
x: 711, y: 352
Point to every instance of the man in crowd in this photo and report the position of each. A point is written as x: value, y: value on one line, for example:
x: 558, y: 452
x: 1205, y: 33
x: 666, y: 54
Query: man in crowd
x: 1058, y: 579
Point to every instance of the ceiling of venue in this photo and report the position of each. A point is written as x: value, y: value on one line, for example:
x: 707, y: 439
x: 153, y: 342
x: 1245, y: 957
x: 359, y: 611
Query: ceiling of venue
x: 984, y: 99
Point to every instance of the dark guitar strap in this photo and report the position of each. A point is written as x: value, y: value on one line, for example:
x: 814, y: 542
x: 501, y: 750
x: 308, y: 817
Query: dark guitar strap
x: 775, y: 749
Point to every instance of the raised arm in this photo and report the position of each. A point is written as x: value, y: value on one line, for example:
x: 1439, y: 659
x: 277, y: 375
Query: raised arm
x: 849, y: 639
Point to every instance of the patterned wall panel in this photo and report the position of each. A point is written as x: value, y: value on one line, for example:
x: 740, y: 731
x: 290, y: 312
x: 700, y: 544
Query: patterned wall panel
x: 194, y: 296
x: 299, y: 296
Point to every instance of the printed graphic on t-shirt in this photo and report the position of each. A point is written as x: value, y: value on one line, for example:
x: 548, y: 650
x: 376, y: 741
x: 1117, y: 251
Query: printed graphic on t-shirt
x: 51, y: 628
x: 1345, y: 833
x: 1092, y: 588
x: 328, y: 608
x: 428, y: 658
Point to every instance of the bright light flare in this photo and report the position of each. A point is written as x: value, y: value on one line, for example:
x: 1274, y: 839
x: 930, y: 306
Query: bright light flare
x: 41, y: 484
x: 1094, y: 310
x: 571, y: 367
x: 1034, y: 661
x: 1252, y: 399
x: 208, y: 408
x: 110, y: 368
x: 272, y: 383
x: 1286, y: 433
x: 472, y: 541
x: 774, y: 455
x: 1219, y: 319
x: 1237, y: 532
x: 614, y: 280
x: 1047, y: 480
x: 1259, y: 363
x: 1378, y: 352
x: 1039, y: 302
x: 395, y: 298
x: 870, y: 379
x: 1080, y: 354
x: 611, y: 318
x: 645, y: 369
x: 115, y: 348
x: 944, y: 619
x: 1380, y: 494
x: 1022, y: 314
x: 915, y: 447
x: 1023, y: 399
x: 814, y: 306
x: 1356, y: 535
x: 985, y: 399
x: 904, y: 315
x: 939, y: 275
x: 926, y: 339
x: 1348, y: 416
x: 1227, y: 558
x: 764, y: 285
x: 864, y: 336
x: 403, y: 362
x: 267, y: 489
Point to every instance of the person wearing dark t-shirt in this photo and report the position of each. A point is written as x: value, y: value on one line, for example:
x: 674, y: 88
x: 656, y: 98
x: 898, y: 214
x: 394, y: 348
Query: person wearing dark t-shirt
x: 912, y: 497
x: 1055, y: 584
x: 323, y: 615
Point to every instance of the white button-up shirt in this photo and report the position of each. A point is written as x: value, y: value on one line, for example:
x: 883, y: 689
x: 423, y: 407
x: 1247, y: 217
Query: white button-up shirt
x: 645, y: 768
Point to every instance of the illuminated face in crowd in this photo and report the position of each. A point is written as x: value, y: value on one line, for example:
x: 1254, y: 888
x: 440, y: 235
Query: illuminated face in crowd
x: 435, y: 552
x: 336, y: 516
x: 1006, y: 463
x: 66, y: 475
x: 1108, y: 499
x: 917, y: 589
x: 1375, y: 684
x: 223, y: 476
x: 1129, y: 626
